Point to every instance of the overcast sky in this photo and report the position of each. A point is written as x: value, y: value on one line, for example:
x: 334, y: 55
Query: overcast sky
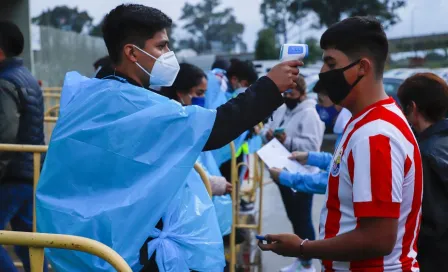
x: 428, y: 16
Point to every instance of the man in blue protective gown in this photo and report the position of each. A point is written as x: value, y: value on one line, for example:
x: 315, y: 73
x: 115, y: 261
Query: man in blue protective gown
x: 120, y: 153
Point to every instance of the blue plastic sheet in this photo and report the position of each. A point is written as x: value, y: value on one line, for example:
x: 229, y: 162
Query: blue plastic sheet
x: 215, y: 95
x: 189, y: 241
x: 224, y: 153
x: 223, y: 204
x: 255, y: 143
x: 118, y: 161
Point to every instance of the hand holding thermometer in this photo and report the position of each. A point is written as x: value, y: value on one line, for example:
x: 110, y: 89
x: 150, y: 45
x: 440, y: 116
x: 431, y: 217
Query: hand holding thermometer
x: 293, y: 52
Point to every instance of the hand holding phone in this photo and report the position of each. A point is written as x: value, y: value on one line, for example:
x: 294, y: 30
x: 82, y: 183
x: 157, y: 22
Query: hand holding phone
x: 279, y: 131
x: 261, y: 238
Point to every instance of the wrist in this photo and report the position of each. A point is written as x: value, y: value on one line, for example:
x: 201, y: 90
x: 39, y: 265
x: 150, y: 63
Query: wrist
x: 302, y: 253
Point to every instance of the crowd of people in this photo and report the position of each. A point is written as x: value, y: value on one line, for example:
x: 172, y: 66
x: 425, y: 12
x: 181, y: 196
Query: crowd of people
x: 120, y: 163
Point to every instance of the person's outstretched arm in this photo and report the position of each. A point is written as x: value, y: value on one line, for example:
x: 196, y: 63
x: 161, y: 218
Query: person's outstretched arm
x: 305, y: 183
x: 257, y: 103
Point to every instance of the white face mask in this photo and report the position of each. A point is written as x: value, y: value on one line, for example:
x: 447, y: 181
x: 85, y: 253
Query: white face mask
x: 164, y: 71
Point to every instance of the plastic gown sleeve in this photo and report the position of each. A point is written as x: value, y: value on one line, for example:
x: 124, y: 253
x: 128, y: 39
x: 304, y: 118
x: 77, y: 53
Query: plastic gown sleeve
x: 306, y: 183
x: 118, y: 156
x: 309, y: 183
x: 223, y: 204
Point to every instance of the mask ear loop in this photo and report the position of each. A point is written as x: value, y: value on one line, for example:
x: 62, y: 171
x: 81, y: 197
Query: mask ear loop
x: 156, y: 59
x: 359, y: 77
x: 351, y: 65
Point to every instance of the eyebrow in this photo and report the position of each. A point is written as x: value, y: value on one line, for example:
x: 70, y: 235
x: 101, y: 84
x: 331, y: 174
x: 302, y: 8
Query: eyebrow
x: 163, y: 42
x: 328, y: 58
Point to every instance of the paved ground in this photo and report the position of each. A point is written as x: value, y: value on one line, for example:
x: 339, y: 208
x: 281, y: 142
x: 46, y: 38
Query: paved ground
x: 276, y: 221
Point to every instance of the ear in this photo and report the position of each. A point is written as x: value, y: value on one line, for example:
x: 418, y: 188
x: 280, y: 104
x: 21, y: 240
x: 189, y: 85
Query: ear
x: 130, y: 52
x: 413, y: 108
x: 365, y: 66
x: 2, y: 55
x: 244, y: 83
x: 179, y: 95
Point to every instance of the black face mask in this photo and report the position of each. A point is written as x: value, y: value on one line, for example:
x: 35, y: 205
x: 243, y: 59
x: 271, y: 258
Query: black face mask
x: 335, y: 83
x: 291, y: 103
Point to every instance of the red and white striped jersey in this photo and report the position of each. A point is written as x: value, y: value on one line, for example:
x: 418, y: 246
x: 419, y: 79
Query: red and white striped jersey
x: 376, y: 172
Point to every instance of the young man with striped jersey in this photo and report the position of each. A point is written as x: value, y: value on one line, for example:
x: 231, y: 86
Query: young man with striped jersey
x: 370, y: 221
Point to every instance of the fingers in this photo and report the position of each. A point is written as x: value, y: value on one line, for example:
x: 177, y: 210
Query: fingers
x: 272, y: 238
x: 294, y: 70
x: 266, y: 247
x: 293, y: 63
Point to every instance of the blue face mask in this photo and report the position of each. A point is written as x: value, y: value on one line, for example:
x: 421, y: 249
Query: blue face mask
x: 327, y: 114
x: 198, y: 101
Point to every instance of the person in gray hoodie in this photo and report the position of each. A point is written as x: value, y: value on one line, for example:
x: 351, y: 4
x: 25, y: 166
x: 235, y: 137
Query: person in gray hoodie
x: 297, y: 125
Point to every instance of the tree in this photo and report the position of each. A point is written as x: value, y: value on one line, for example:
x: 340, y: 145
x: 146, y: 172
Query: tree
x: 96, y: 30
x: 276, y: 15
x: 314, y: 50
x: 266, y: 45
x: 332, y: 11
x: 65, y: 18
x: 210, y: 27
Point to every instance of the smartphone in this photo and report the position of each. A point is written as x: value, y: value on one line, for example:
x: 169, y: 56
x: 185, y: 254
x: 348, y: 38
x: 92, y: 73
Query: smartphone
x: 279, y: 131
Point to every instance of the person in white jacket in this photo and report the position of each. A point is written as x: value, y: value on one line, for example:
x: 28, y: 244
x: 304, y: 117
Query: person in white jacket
x: 299, y: 128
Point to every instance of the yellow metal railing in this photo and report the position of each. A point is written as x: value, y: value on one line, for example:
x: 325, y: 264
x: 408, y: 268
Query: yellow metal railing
x: 37, y: 242
x: 52, y: 89
x: 36, y: 255
x: 257, y: 184
x: 52, y: 96
x: 204, y: 178
x: 37, y: 151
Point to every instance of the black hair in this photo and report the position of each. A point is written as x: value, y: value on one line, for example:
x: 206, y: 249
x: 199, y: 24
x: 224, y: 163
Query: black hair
x: 103, y: 62
x: 11, y: 39
x: 357, y: 37
x: 243, y: 70
x: 131, y: 23
x: 429, y: 92
x: 188, y: 77
x: 221, y: 64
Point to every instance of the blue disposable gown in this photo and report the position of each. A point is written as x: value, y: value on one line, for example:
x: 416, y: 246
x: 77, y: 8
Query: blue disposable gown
x: 119, y: 159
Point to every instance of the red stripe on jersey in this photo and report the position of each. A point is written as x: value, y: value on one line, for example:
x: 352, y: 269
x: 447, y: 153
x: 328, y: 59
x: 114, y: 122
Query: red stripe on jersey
x: 372, y: 265
x: 407, y: 166
x: 380, y: 169
x: 334, y: 214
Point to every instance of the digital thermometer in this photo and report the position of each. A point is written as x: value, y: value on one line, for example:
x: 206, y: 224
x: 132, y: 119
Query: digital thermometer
x: 291, y: 51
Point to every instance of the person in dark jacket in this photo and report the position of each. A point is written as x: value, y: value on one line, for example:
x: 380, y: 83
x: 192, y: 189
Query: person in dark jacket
x: 424, y: 98
x: 21, y: 122
x: 137, y: 41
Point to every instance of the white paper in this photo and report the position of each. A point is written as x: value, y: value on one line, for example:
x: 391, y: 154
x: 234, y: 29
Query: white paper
x: 274, y: 154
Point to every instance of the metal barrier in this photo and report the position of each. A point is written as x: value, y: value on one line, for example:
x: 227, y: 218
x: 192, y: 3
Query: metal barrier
x: 257, y: 183
x: 54, y: 109
x: 37, y: 242
x: 52, y: 89
x: 52, y: 96
x: 37, y: 150
x: 204, y: 178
